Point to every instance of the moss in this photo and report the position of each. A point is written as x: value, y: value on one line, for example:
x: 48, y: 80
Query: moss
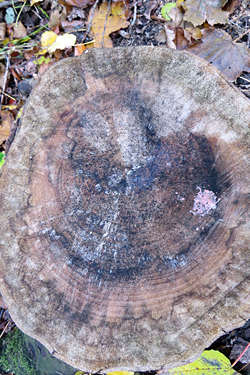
x: 14, y: 356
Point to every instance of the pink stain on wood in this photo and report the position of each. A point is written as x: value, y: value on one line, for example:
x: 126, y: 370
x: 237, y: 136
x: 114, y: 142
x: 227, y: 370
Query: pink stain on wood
x: 204, y: 202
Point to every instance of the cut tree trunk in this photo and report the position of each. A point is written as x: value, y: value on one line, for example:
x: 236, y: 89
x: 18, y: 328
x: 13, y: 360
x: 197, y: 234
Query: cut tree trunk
x: 124, y: 236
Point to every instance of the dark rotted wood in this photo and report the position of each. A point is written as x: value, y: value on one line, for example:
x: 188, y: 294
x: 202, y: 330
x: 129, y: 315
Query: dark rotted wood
x: 125, y: 210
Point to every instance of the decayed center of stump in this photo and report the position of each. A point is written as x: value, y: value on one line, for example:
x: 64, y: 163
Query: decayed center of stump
x: 126, y: 195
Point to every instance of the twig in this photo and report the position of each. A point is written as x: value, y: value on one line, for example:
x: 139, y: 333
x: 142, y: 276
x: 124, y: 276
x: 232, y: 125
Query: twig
x: 245, y: 79
x: 239, y: 37
x: 5, y: 77
x: 90, y: 19
x: 43, y: 11
x: 5, y: 4
x: 12, y: 3
x: 4, y: 329
x: 158, y: 18
x: 244, y: 351
x: 19, y: 14
x: 4, y: 93
x: 36, y: 12
x: 106, y: 20
x: 134, y: 17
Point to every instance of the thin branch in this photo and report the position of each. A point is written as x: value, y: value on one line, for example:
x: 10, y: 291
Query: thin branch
x: 5, y: 4
x: 5, y: 78
x: 239, y: 37
x: 106, y: 20
x: 4, y: 329
x: 134, y: 17
x: 241, y: 355
x: 90, y: 19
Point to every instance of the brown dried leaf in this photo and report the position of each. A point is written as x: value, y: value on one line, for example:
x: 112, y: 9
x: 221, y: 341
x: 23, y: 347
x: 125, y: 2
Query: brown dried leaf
x: 102, y: 25
x: 19, y: 31
x: 78, y: 3
x: 72, y: 25
x: 170, y: 37
x: 198, y: 11
x: 217, y: 47
x: 231, y: 6
x: 2, y: 30
x: 180, y: 40
x: 6, y: 124
x: 150, y: 6
x: 2, y: 74
x: 57, y: 17
x: 176, y: 38
x: 79, y: 49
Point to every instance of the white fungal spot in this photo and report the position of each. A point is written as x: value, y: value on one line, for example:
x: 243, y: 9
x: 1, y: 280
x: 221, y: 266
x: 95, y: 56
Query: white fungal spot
x: 204, y: 202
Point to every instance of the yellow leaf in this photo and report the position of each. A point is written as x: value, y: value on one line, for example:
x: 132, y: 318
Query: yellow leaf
x: 48, y: 38
x: 120, y: 373
x: 102, y: 25
x: 120, y: 9
x: 32, y: 2
x: 62, y: 42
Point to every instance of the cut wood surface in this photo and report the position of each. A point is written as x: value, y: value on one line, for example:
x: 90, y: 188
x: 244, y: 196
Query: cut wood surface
x: 125, y: 195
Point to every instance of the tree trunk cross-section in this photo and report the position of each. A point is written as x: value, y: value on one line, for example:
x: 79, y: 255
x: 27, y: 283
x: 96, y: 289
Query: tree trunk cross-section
x: 125, y: 210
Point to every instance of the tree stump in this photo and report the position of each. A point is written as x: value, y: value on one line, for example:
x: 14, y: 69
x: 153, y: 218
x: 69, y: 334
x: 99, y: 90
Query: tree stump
x: 125, y: 210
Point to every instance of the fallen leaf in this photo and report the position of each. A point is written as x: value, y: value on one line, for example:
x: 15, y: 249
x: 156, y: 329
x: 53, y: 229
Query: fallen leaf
x: 41, y: 60
x: 170, y: 34
x: 62, y: 42
x: 102, y: 26
x: 76, y: 13
x: 57, y: 17
x: 217, y: 47
x: 2, y: 74
x: 80, y: 48
x: 166, y: 9
x: 192, y: 32
x: 6, y: 124
x: 210, y: 362
x: 180, y: 40
x: 44, y: 66
x: 198, y: 11
x: 72, y: 25
x: 161, y: 37
x: 78, y: 3
x: 176, y: 16
x: 2, y: 30
x: 32, y: 2
x: 47, y: 39
x: 150, y: 6
x: 231, y: 6
x: 19, y: 31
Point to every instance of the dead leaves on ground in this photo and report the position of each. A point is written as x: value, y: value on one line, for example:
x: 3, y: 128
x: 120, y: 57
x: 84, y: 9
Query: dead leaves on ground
x: 185, y: 28
x: 7, y: 121
x: 199, y: 11
x: 106, y: 20
x: 217, y: 47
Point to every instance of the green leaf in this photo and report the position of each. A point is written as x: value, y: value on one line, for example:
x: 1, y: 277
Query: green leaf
x: 166, y: 9
x: 209, y: 363
x: 2, y: 160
